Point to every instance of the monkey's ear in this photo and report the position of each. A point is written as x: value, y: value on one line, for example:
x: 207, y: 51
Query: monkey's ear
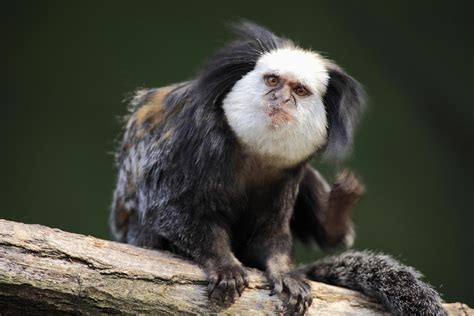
x: 345, y: 99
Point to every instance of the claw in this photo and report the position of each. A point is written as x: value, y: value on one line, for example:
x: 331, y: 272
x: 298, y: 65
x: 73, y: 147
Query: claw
x: 239, y: 284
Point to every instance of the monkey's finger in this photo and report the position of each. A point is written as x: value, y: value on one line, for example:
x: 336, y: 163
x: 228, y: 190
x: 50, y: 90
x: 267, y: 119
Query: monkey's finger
x: 222, y: 290
x: 277, y: 287
x: 229, y: 288
x: 300, y: 305
x: 231, y: 291
x: 246, y: 278
x: 298, y: 308
x: 290, y: 285
x: 305, y: 297
x: 304, y: 288
x: 293, y: 301
x: 307, y: 303
x: 211, y: 286
x: 239, y: 283
x: 306, y: 308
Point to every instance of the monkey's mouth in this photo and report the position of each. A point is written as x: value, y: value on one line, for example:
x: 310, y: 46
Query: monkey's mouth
x: 278, y: 116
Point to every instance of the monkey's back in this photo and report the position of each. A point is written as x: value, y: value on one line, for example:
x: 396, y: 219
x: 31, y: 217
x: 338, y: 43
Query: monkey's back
x: 168, y: 148
x: 144, y: 129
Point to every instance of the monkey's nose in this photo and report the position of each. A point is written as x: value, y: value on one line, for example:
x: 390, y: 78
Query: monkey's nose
x: 284, y: 98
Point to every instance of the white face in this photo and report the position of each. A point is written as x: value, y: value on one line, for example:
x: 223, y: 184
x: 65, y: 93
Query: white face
x: 277, y: 109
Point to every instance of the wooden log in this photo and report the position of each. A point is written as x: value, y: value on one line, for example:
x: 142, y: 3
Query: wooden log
x: 46, y: 271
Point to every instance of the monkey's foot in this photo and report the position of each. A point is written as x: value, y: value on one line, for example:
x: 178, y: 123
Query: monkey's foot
x: 295, y: 290
x: 344, y: 194
x: 347, y: 189
x: 226, y: 282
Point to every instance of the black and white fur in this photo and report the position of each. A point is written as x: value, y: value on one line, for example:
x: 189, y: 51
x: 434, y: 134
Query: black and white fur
x: 216, y: 169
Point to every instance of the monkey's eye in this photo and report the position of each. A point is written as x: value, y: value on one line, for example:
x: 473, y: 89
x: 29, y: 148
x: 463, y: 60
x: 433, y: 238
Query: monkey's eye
x: 301, y: 91
x: 272, y: 80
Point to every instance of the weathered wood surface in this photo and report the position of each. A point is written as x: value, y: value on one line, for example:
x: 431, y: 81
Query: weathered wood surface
x: 45, y: 270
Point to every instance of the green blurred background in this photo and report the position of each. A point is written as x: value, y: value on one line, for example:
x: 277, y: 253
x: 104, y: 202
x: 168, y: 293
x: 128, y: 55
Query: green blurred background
x: 70, y: 64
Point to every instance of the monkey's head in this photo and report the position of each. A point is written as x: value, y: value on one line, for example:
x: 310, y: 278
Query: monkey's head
x: 281, y: 101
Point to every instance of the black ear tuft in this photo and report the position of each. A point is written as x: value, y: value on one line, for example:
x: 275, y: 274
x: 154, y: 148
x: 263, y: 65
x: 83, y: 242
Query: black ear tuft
x: 233, y: 61
x: 260, y: 37
x: 345, y: 99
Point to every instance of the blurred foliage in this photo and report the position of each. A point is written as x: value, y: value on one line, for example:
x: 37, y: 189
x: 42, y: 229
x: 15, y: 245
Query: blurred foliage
x: 69, y: 66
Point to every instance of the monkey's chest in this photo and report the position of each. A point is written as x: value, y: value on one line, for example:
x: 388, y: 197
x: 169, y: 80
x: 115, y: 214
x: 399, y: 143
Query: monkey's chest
x: 257, y: 210
x: 266, y: 195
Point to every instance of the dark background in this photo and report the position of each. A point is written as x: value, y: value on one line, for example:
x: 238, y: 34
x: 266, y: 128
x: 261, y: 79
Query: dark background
x: 70, y: 65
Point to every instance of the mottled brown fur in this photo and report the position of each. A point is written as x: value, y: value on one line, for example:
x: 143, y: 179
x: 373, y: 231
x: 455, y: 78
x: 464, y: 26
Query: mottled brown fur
x: 150, y: 114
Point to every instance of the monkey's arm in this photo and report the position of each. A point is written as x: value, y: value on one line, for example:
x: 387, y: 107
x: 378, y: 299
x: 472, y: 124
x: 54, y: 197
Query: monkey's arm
x: 273, y: 249
x: 208, y: 243
x: 270, y: 249
x: 187, y: 230
x: 323, y: 213
x: 190, y: 225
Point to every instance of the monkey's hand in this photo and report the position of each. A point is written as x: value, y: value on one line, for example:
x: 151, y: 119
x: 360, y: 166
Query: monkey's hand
x: 226, y: 281
x: 294, y: 290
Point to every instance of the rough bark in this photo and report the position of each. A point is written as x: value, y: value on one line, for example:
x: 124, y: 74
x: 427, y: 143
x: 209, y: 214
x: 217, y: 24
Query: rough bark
x: 45, y: 270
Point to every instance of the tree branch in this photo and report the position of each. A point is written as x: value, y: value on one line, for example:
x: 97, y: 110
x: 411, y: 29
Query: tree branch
x: 45, y: 270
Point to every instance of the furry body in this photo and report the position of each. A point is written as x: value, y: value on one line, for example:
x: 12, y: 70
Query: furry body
x: 216, y: 168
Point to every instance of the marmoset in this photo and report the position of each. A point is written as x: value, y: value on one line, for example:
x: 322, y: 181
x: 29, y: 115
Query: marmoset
x: 216, y: 169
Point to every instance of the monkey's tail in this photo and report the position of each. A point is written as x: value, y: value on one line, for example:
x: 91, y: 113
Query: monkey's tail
x: 396, y: 286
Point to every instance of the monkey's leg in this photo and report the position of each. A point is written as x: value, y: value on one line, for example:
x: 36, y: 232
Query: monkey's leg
x: 270, y: 250
x: 323, y: 213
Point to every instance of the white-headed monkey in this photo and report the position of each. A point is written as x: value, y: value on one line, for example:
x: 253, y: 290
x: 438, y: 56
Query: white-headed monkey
x: 216, y: 169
